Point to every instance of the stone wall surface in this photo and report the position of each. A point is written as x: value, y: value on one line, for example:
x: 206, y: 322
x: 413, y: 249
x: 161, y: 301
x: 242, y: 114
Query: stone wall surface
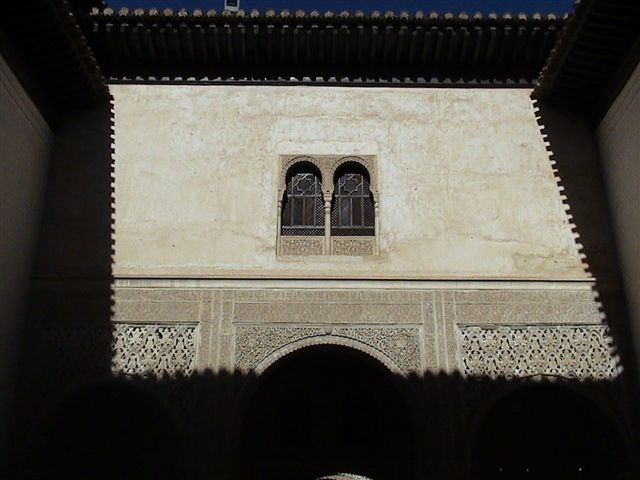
x: 466, y: 189
x: 25, y: 149
x: 619, y: 147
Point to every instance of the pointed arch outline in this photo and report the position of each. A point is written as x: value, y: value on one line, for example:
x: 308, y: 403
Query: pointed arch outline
x: 335, y: 340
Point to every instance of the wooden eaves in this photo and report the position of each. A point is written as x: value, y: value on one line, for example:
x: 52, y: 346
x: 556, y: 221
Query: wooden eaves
x: 169, y: 46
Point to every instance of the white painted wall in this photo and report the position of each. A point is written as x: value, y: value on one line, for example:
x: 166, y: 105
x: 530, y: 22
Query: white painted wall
x: 467, y: 190
x: 619, y: 140
x: 25, y: 143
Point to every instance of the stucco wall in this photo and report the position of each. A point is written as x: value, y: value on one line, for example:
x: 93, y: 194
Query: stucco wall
x: 25, y: 142
x: 466, y: 186
x: 620, y: 150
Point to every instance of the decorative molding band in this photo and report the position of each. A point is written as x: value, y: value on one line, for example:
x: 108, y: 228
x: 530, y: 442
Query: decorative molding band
x: 315, y: 310
x: 153, y: 349
x: 396, y: 347
x: 573, y: 351
x: 582, y: 287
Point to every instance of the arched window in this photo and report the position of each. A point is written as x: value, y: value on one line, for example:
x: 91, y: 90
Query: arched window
x: 352, y: 211
x: 303, y: 206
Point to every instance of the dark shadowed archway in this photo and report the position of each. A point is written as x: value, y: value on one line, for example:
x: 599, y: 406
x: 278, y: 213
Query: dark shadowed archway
x: 546, y: 431
x: 114, y: 430
x: 324, y: 410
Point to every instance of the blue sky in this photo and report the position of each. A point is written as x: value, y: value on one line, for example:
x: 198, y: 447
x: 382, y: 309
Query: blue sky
x: 454, y: 6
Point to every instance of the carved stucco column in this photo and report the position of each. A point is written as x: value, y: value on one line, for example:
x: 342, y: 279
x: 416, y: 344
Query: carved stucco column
x: 279, y: 221
x: 327, y: 221
x: 376, y: 223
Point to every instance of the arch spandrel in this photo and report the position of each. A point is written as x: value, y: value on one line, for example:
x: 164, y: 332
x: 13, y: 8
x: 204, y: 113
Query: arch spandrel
x: 258, y: 346
x: 331, y: 340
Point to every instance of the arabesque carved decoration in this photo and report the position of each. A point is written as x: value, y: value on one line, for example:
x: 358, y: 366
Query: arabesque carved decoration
x: 574, y: 351
x: 153, y: 349
x: 301, y: 245
x: 353, y: 246
x: 255, y: 343
x: 401, y: 344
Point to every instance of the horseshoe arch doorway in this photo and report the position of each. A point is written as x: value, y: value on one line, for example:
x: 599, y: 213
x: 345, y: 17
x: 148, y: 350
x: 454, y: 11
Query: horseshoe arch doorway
x: 326, y: 410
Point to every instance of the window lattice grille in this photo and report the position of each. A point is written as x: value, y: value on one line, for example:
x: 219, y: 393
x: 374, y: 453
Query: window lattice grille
x: 303, y: 208
x: 352, y: 211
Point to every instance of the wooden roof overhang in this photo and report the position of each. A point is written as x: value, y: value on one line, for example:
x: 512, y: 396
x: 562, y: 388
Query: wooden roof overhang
x: 594, y: 56
x: 168, y: 46
x: 44, y: 37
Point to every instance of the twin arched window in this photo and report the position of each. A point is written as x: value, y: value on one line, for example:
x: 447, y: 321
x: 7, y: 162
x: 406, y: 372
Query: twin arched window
x: 352, y: 209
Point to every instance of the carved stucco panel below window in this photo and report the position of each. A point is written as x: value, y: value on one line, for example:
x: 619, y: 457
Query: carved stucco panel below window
x: 301, y: 245
x: 353, y: 246
x: 153, y: 349
x: 574, y: 351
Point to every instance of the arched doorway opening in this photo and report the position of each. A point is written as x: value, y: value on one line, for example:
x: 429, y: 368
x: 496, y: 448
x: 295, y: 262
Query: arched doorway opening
x: 545, y: 431
x: 324, y: 410
x: 114, y: 430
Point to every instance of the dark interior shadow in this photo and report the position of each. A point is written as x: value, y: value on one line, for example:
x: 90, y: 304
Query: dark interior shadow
x: 550, y: 431
x: 326, y: 410
x: 573, y: 152
x: 329, y: 411
x: 67, y: 333
x: 113, y: 430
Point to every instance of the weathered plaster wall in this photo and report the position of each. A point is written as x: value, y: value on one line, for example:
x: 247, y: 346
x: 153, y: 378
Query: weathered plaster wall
x: 466, y: 187
x: 620, y: 150
x: 25, y: 141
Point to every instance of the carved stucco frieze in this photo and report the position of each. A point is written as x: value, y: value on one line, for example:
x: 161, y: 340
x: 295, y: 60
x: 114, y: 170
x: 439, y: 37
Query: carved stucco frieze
x: 255, y: 343
x: 301, y: 245
x: 343, y: 297
x: 353, y: 246
x: 310, y: 311
x: 574, y: 351
x: 153, y: 349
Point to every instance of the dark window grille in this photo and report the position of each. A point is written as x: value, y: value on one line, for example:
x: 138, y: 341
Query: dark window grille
x: 352, y: 211
x: 303, y: 207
